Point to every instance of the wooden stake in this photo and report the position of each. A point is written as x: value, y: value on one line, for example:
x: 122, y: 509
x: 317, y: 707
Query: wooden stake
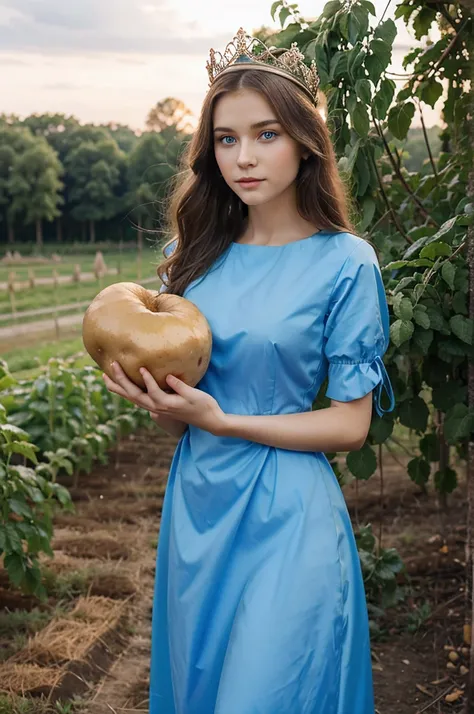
x: 55, y: 283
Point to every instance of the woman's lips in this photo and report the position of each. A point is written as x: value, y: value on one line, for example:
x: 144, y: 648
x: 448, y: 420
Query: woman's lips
x: 250, y: 183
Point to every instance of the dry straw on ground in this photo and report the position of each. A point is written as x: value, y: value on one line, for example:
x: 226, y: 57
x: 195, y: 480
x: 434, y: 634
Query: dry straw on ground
x: 63, y: 641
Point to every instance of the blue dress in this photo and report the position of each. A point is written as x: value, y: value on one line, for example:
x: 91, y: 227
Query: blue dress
x: 259, y: 604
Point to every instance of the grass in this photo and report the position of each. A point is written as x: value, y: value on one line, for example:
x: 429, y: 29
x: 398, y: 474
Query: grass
x: 18, y: 625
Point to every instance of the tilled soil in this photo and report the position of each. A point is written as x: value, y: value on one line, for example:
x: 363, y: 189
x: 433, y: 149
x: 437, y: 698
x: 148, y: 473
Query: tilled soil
x: 112, y: 539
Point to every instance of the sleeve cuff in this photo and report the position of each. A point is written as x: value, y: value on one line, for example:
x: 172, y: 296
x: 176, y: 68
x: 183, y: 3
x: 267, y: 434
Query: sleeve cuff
x: 348, y: 381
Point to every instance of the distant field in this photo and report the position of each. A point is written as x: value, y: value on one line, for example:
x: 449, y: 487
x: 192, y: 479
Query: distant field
x: 86, y: 261
x: 46, y: 295
x: 25, y: 349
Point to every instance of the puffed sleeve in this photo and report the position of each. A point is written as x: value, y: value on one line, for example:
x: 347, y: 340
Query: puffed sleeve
x: 356, y: 333
x: 168, y: 251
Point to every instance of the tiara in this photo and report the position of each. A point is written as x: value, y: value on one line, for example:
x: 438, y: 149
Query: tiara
x: 246, y: 52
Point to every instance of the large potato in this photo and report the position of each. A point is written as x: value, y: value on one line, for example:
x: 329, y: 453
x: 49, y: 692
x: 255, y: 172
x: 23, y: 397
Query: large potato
x: 137, y: 327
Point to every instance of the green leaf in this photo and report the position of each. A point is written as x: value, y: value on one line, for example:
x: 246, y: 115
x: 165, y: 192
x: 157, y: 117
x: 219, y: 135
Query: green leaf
x: 435, y: 249
x: 365, y: 539
x: 355, y: 59
x: 420, y: 317
x: 20, y: 447
x: 15, y: 565
x: 338, y: 65
x: 19, y: 506
x: 403, y: 307
x: 331, y: 8
x: 62, y: 494
x: 419, y: 470
x: 274, y: 8
x: 378, y: 61
x: 363, y: 90
x: 445, y: 228
x: 423, y: 339
x: 399, y: 119
x: 284, y: 15
x: 360, y: 119
x: 383, y: 98
x: 462, y: 327
x: 370, y: 7
x: 411, y: 56
x: 414, y: 413
x: 381, y: 428
x: 430, y: 91
x: 459, y: 303
x: 385, y: 573
x: 346, y: 163
x: 446, y: 480
x: 401, y: 331
x: 368, y: 211
x: 358, y: 23
x: 421, y: 263
x: 362, y: 463
x: 386, y: 31
x: 13, y: 433
x: 396, y: 265
x: 430, y: 447
x: 13, y: 541
x: 448, y: 272
x: 458, y: 423
x: 423, y: 21
x: 6, y: 382
x: 437, y: 321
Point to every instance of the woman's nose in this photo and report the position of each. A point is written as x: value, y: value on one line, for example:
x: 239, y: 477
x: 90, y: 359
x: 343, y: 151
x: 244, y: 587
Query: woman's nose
x: 246, y: 155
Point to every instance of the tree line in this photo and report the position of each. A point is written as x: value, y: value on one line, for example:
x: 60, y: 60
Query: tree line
x: 60, y: 178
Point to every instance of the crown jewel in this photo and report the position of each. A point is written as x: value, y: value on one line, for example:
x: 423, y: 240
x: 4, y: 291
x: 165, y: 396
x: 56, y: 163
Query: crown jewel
x: 246, y: 52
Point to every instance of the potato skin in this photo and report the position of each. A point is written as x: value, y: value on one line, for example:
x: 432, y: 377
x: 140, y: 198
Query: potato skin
x: 137, y: 327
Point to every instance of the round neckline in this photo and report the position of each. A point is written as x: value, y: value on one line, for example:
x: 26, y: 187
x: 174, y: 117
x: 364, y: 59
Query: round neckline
x: 282, y: 245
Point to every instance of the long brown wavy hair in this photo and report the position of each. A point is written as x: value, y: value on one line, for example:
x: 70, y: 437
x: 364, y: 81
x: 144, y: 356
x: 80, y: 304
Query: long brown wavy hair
x: 205, y: 216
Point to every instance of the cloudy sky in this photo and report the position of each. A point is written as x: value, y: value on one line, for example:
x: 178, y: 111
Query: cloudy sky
x: 111, y: 60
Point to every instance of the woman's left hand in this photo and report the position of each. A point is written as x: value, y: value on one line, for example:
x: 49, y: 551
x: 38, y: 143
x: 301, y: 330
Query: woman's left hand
x: 188, y: 404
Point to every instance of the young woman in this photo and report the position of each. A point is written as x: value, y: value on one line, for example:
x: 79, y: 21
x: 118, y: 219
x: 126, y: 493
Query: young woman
x: 259, y: 602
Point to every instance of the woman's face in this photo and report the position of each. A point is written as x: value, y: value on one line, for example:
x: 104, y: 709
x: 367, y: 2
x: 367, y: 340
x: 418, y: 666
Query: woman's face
x: 250, y: 142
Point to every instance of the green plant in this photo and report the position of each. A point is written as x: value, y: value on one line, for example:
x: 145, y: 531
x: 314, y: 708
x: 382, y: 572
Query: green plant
x: 418, y: 220
x: 418, y: 617
x: 60, y: 423
x: 380, y: 569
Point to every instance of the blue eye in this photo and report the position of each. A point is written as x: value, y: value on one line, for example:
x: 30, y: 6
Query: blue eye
x: 267, y: 134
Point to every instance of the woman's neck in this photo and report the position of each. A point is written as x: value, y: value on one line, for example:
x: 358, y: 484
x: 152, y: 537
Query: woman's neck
x: 276, y: 222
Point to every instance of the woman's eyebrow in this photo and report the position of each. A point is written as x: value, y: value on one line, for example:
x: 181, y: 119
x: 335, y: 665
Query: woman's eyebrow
x: 258, y: 125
